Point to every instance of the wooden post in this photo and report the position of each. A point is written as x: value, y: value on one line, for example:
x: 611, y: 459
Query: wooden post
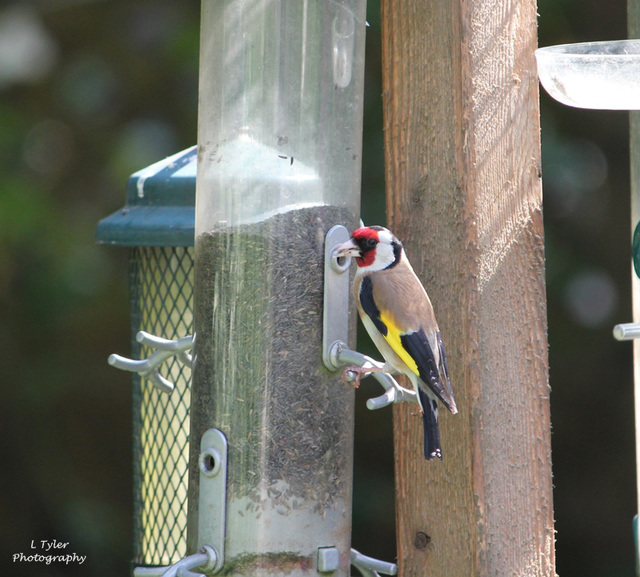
x: 462, y: 145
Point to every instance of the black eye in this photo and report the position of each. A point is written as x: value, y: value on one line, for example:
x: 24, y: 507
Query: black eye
x: 366, y: 244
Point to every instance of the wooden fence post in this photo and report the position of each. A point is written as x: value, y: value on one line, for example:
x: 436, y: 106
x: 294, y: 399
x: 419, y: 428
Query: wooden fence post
x: 462, y: 146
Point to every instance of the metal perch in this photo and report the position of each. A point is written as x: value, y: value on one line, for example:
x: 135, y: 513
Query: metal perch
x: 205, y: 560
x: 341, y: 356
x: 370, y: 567
x: 165, y: 349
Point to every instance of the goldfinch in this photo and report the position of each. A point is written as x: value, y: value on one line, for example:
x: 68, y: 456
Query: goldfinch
x: 397, y: 313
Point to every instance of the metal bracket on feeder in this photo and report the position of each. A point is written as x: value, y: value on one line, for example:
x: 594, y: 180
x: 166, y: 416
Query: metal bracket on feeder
x: 335, y: 353
x: 335, y: 314
x: 165, y: 349
x: 212, y: 501
x: 212, y: 463
x: 627, y: 331
x: 370, y: 567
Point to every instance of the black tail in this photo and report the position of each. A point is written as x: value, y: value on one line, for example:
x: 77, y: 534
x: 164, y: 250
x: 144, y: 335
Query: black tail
x: 431, y: 431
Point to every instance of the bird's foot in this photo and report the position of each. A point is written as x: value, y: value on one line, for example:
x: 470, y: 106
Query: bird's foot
x: 353, y: 373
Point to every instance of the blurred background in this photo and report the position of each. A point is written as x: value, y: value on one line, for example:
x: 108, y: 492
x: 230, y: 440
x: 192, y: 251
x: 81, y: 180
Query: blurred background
x: 91, y: 91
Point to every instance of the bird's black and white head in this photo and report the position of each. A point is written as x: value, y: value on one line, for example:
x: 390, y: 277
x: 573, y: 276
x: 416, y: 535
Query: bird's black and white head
x: 374, y: 248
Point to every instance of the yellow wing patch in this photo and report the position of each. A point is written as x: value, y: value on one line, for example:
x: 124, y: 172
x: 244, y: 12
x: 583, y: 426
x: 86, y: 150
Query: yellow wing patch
x: 393, y: 338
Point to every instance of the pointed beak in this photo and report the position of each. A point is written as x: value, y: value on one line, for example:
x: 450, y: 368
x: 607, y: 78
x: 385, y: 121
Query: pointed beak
x: 349, y: 248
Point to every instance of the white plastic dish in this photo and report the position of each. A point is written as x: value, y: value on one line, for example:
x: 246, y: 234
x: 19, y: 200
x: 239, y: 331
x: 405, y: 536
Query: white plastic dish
x: 596, y: 75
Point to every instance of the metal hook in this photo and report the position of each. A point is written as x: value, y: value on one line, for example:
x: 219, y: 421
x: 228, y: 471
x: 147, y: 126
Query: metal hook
x: 342, y: 356
x: 165, y: 349
x: 370, y: 567
x: 204, y: 560
x: 626, y: 331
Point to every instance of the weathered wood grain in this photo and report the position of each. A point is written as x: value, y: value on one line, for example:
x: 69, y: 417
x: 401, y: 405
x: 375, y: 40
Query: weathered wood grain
x: 462, y: 153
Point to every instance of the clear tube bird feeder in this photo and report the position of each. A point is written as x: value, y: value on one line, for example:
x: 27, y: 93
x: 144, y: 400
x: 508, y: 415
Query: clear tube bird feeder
x: 279, y: 147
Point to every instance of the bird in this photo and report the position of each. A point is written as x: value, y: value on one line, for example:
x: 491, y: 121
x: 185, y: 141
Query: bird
x: 398, y: 315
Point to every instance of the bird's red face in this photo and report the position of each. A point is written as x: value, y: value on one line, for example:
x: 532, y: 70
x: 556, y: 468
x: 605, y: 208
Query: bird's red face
x: 373, y: 247
x: 366, y: 239
x: 362, y: 245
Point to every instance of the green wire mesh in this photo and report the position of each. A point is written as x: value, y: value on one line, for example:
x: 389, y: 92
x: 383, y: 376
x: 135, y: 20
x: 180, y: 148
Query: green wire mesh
x: 161, y: 304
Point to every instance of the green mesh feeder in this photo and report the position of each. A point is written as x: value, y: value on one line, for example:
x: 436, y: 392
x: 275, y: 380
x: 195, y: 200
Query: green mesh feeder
x: 156, y: 225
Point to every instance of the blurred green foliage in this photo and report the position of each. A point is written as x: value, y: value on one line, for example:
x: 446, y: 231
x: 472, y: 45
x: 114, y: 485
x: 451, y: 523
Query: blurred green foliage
x: 92, y: 91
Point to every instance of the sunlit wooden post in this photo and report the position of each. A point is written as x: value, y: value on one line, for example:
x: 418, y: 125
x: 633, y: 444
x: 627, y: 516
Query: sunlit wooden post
x: 461, y: 119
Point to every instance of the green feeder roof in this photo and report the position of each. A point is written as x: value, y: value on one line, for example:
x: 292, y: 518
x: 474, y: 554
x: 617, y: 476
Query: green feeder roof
x: 160, y: 205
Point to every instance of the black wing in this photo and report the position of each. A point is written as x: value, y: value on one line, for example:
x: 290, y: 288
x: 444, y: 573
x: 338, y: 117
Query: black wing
x: 369, y: 306
x: 417, y: 345
x: 444, y: 370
